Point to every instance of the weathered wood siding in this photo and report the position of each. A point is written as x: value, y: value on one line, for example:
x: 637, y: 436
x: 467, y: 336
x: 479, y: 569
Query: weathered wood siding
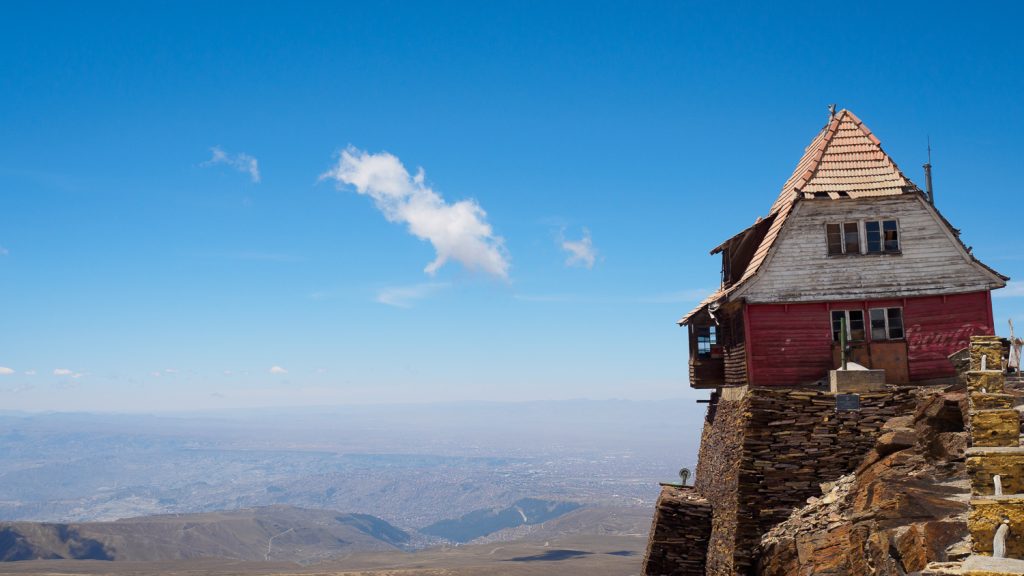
x: 736, y: 365
x: 931, y: 262
x: 791, y: 344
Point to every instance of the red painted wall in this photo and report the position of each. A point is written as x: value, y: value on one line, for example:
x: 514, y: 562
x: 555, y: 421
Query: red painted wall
x: 791, y: 344
x: 937, y: 326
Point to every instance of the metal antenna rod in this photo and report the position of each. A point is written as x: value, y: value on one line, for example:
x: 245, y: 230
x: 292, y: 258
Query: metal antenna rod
x: 928, y: 175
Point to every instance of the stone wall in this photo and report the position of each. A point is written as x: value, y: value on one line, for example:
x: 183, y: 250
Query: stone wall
x: 795, y: 440
x: 717, y: 476
x: 768, y: 449
x: 679, y: 534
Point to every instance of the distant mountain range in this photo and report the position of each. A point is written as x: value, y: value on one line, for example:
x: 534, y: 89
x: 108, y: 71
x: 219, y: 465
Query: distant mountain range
x: 283, y: 533
x: 588, y: 541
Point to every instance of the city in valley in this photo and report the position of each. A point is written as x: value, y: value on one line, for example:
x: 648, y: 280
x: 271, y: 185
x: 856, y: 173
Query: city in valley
x: 390, y: 484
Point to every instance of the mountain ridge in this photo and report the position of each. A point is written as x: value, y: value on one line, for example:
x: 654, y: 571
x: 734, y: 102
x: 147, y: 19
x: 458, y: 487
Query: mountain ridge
x: 276, y: 532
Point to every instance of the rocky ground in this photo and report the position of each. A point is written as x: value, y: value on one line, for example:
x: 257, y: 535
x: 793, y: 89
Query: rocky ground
x: 905, y: 507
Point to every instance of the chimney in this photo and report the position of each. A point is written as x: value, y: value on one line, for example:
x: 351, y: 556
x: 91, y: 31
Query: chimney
x: 928, y: 175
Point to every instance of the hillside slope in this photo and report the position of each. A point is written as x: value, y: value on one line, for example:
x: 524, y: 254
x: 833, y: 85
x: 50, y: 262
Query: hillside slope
x: 281, y: 533
x: 527, y: 511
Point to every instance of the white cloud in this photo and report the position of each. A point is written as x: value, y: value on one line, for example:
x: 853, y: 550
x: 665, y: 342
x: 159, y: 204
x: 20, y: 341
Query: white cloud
x: 5, y: 371
x: 277, y: 370
x: 30, y: 372
x: 457, y: 231
x: 241, y: 162
x: 581, y: 252
x: 66, y: 372
x: 405, y: 296
x: 171, y: 370
x: 1012, y: 290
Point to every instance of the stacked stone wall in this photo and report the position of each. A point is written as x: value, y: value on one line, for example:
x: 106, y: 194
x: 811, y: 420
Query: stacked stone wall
x: 679, y: 534
x: 764, y: 454
x: 718, y: 477
x: 795, y: 440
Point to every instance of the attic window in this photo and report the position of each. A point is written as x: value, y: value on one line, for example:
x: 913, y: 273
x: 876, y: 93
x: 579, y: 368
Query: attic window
x: 854, y: 324
x: 886, y: 323
x: 883, y: 236
x: 843, y: 238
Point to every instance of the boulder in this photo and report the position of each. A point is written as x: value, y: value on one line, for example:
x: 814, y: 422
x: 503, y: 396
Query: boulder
x: 896, y: 440
x: 949, y: 446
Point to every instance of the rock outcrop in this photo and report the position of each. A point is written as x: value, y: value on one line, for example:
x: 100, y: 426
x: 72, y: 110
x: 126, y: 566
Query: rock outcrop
x: 905, y: 507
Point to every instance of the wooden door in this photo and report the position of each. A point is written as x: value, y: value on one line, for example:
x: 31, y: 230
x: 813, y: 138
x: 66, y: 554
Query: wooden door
x: 891, y: 356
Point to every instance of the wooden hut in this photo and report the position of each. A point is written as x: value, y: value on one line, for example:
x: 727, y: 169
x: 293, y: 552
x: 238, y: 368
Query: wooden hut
x: 851, y: 238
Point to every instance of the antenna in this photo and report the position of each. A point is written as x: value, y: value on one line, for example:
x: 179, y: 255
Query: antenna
x: 928, y: 175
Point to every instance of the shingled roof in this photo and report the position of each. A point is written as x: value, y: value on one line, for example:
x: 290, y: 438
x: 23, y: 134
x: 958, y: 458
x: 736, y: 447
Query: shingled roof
x: 845, y: 160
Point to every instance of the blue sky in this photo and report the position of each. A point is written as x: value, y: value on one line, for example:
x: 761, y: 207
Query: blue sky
x: 144, y: 267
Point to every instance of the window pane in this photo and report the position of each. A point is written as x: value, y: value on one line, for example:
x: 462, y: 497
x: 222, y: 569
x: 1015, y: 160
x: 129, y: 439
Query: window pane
x: 837, y: 318
x: 856, y: 324
x: 895, y: 322
x: 892, y: 241
x: 851, y: 233
x: 703, y: 341
x: 874, y: 233
x: 834, y: 239
x: 713, y: 334
x: 878, y: 324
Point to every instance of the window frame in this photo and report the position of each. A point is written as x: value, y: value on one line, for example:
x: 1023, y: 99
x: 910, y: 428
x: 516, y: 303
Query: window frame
x: 863, y: 242
x: 881, y: 237
x: 842, y: 238
x: 849, y: 324
x: 711, y: 340
x: 888, y: 327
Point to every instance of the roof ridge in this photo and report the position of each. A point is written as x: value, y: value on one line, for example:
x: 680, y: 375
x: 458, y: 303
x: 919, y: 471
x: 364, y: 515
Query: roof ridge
x: 818, y: 143
x: 820, y: 149
x: 850, y: 172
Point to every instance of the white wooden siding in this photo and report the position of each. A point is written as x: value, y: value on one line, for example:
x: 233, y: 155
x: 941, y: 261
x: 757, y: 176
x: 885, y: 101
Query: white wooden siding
x: 800, y: 270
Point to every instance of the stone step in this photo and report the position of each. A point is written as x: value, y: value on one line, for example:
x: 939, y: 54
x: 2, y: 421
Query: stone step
x: 987, y: 513
x: 989, y: 401
x: 983, y: 463
x: 995, y: 428
x: 991, y: 381
x: 989, y: 566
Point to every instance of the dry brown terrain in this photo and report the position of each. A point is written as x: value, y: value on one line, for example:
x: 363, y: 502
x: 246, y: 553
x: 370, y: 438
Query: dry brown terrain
x: 589, y: 555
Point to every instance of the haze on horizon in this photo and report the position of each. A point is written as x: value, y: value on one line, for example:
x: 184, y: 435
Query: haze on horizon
x: 204, y: 207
